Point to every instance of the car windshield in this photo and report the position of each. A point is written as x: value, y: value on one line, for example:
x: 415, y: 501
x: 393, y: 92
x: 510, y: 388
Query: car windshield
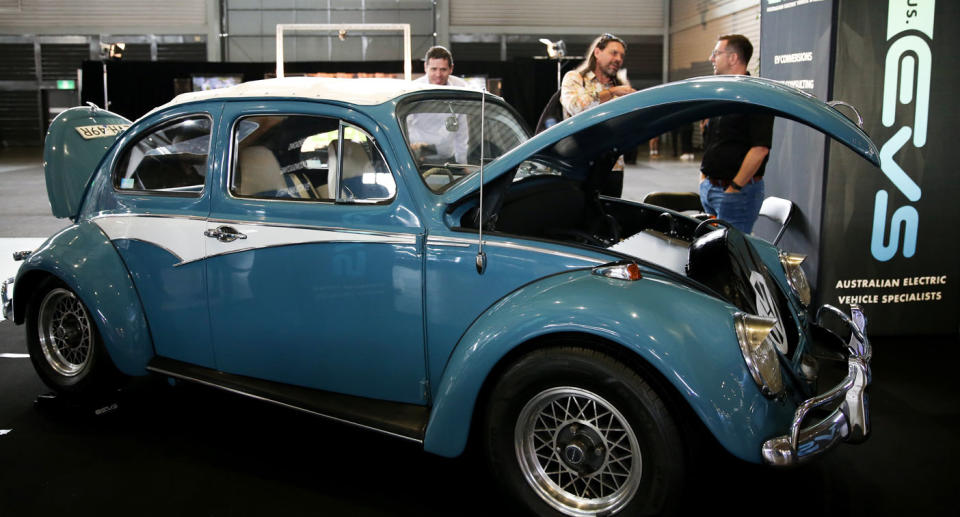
x: 444, y: 137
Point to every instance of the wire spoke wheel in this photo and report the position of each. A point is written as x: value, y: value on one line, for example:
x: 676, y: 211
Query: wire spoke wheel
x: 577, y: 451
x: 65, y: 331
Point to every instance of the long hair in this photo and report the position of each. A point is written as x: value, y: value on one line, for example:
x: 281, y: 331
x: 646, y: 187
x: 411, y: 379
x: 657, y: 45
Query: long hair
x: 601, y: 43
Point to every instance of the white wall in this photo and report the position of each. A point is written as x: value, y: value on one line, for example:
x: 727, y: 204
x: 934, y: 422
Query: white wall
x: 695, y: 26
x: 620, y: 17
x: 105, y: 16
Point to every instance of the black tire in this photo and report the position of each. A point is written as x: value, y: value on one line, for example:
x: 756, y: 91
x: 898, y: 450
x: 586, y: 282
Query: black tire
x: 619, y: 452
x: 64, y: 343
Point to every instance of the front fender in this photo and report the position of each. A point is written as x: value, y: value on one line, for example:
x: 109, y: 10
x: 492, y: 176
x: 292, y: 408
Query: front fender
x: 688, y: 336
x: 82, y: 257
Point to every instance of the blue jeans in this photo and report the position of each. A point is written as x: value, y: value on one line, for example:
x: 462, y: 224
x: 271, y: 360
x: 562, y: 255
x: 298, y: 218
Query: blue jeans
x: 737, y: 208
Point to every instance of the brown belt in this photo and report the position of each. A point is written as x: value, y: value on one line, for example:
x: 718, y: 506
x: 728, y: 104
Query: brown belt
x: 726, y: 183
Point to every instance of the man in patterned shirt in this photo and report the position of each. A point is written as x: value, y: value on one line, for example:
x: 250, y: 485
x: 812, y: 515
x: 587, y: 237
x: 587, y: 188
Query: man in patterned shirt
x: 594, y: 82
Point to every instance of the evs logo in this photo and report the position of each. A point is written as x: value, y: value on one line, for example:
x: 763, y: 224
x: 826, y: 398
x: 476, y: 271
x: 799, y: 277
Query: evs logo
x: 907, y: 70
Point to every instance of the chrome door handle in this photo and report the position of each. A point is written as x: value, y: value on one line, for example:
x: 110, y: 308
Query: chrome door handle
x: 225, y: 234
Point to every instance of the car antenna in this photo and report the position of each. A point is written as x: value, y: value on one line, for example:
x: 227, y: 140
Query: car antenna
x: 481, y: 256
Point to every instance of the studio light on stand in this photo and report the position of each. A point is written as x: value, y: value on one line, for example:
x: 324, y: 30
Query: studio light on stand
x: 109, y: 52
x: 555, y: 50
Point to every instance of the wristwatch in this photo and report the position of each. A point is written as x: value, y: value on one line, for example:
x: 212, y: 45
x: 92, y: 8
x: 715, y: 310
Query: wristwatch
x: 734, y: 185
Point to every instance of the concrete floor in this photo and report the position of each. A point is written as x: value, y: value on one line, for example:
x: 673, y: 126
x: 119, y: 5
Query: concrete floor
x: 25, y: 211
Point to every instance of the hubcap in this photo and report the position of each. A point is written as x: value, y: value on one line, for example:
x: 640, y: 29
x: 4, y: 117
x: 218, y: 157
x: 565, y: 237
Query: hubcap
x: 66, y: 333
x: 577, y: 452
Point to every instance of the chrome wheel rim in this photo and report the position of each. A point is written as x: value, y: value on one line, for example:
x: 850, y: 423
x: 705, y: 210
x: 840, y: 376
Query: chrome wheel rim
x: 66, y: 332
x: 578, y: 452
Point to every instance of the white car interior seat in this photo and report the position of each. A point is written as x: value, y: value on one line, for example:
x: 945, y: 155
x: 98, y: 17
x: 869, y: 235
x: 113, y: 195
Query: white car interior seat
x: 259, y: 173
x: 355, y: 162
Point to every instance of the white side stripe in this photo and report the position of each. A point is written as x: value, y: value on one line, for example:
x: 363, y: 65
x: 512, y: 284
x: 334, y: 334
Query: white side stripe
x: 184, y: 236
x: 14, y: 356
x: 181, y: 236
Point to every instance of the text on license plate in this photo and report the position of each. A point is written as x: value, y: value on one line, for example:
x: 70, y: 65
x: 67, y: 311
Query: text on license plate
x: 100, y: 131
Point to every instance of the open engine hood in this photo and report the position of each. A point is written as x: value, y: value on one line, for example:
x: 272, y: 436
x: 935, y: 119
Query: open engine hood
x: 627, y: 121
x: 76, y: 142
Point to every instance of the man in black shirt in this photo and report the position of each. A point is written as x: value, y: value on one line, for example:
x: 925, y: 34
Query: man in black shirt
x: 735, y: 147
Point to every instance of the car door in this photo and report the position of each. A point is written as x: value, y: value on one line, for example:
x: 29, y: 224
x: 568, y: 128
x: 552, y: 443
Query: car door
x: 159, y: 200
x: 314, y: 263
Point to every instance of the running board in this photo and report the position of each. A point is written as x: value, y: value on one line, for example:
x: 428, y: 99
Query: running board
x: 394, y: 418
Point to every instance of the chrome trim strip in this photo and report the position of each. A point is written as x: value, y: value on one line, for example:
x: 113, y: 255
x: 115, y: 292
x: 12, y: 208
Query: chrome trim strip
x: 460, y: 242
x: 103, y: 215
x: 344, y: 235
x: 279, y: 403
x: 400, y: 238
x: 850, y: 422
x: 330, y: 241
x: 408, y: 238
x: 448, y: 241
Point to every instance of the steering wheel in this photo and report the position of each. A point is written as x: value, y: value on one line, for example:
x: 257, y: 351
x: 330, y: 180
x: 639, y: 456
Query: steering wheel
x: 707, y: 223
x: 438, y: 170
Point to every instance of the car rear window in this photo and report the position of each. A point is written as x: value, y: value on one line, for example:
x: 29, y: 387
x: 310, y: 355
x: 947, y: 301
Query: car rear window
x: 171, y: 159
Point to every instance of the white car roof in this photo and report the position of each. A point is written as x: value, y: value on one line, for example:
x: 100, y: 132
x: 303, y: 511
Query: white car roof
x: 367, y: 91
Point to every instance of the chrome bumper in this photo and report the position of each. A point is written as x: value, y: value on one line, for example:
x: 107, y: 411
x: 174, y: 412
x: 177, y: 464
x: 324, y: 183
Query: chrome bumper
x: 5, y: 298
x: 850, y: 422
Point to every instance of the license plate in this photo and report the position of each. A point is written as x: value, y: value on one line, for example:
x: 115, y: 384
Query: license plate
x: 101, y: 131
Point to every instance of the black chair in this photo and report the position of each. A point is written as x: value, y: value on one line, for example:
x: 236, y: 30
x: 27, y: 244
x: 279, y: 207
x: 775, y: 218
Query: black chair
x: 553, y: 111
x: 677, y: 201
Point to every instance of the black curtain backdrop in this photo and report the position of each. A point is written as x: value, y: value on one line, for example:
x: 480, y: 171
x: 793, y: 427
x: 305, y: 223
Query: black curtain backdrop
x: 136, y: 87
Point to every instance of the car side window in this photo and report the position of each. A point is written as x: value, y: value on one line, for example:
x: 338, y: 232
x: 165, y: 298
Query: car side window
x: 169, y: 160
x: 363, y: 174
x: 297, y: 157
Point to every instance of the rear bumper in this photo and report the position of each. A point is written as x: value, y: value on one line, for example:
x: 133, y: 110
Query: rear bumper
x: 6, y: 298
x: 849, y: 422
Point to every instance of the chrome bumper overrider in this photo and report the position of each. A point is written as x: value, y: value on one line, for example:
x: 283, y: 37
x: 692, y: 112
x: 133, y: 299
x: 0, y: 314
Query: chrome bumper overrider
x: 850, y: 422
x: 5, y: 299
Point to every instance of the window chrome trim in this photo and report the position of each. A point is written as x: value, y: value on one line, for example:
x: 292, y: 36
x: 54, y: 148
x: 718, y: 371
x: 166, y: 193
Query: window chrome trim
x: 232, y: 163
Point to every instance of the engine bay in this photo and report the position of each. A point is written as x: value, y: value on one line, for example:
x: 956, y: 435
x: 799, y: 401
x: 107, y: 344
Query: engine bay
x: 557, y: 208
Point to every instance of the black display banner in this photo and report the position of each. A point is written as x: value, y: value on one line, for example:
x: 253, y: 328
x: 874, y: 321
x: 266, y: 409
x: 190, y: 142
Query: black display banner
x: 796, y: 50
x: 890, y: 238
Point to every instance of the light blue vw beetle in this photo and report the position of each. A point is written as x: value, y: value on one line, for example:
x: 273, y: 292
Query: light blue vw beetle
x: 407, y: 259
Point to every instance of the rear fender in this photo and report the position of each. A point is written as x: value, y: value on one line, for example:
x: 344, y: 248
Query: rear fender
x: 83, y: 258
x: 686, y: 335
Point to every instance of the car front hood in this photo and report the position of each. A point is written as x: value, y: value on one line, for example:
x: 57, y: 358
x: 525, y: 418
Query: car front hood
x: 627, y: 121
